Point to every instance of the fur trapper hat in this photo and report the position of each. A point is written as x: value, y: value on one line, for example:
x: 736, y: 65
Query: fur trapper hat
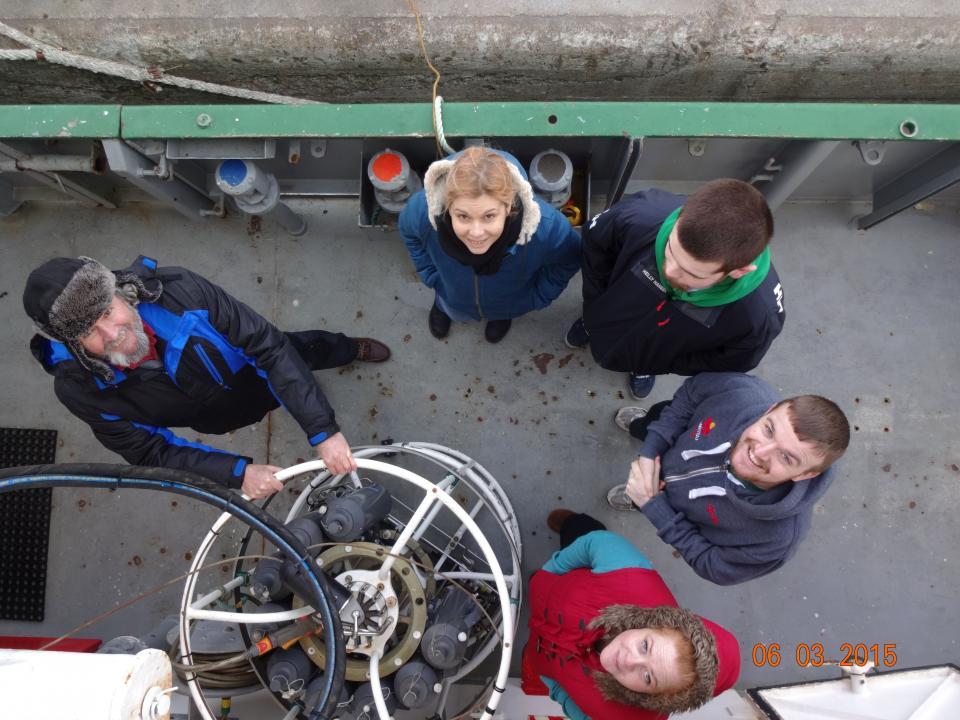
x: 616, y: 619
x: 66, y: 296
x: 435, y: 190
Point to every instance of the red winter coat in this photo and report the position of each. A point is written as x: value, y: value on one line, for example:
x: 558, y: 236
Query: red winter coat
x: 561, y: 644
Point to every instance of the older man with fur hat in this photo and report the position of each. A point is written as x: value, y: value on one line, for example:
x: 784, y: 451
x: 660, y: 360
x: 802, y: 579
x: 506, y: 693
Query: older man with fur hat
x: 137, y: 351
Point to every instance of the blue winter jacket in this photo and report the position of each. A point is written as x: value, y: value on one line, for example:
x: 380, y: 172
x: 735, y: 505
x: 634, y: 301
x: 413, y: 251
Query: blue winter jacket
x: 223, y: 367
x: 533, y: 274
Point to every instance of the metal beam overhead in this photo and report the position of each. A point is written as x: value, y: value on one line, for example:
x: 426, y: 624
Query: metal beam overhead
x: 60, y: 121
x: 787, y: 170
x: 140, y: 171
x: 815, y: 121
x: 936, y: 174
x: 82, y: 191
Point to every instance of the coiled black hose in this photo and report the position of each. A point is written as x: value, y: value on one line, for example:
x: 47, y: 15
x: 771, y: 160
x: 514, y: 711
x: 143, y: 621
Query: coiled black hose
x: 180, y: 482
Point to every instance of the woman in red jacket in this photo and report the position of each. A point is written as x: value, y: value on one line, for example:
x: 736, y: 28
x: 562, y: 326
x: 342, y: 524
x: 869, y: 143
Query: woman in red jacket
x: 607, y: 638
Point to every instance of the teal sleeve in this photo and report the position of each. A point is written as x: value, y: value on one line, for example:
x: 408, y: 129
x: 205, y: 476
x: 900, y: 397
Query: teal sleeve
x: 559, y: 696
x: 601, y: 551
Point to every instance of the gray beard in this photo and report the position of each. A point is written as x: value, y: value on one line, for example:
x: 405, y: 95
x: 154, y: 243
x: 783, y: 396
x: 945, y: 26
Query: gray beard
x: 120, y: 359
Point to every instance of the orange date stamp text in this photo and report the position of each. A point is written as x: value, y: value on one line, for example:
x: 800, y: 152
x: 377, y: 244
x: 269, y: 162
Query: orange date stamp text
x: 812, y: 655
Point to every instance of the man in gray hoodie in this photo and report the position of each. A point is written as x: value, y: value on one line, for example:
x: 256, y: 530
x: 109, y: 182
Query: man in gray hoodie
x: 729, y: 473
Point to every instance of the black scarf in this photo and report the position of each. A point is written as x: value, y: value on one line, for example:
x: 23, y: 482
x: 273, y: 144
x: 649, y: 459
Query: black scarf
x: 488, y: 263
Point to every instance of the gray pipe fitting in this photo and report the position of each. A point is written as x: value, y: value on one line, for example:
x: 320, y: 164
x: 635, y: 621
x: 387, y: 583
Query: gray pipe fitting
x: 392, y: 179
x: 257, y: 193
x: 551, y: 173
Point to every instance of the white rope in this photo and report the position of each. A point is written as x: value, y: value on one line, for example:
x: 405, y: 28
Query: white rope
x: 132, y: 72
x: 438, y: 125
x: 18, y: 54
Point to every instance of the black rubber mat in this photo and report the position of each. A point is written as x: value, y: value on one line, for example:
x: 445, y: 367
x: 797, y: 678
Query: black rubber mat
x: 24, y: 526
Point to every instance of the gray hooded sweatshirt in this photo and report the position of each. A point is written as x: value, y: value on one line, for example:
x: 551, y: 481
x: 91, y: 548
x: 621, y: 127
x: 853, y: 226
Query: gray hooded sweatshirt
x: 726, y: 535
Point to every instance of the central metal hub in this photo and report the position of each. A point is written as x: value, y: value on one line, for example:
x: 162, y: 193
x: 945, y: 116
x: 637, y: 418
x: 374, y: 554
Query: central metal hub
x: 391, y: 614
x: 370, y: 615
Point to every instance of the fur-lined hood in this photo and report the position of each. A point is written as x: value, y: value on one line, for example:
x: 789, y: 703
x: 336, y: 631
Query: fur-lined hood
x: 435, y: 190
x: 616, y: 619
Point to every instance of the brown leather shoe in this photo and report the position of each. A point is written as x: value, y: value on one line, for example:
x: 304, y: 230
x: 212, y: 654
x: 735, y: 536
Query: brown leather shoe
x: 370, y: 350
x: 557, y: 518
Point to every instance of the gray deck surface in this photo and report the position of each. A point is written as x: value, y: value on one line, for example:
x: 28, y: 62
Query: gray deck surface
x: 872, y: 323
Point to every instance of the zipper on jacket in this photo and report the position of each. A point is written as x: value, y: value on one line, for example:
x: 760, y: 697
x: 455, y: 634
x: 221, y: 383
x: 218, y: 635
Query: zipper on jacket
x: 702, y: 471
x: 211, y: 368
x: 476, y: 293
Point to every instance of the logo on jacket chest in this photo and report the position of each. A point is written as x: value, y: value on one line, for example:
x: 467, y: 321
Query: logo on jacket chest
x: 704, y: 428
x: 653, y: 280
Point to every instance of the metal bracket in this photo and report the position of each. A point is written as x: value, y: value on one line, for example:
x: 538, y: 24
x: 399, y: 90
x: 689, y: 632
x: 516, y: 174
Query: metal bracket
x: 770, y: 169
x: 872, y: 151
x: 219, y: 208
x: 696, y: 146
x: 162, y: 170
x: 221, y: 148
x: 293, y: 152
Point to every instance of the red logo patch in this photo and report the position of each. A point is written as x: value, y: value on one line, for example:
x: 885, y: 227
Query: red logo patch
x: 713, y: 514
x: 704, y: 427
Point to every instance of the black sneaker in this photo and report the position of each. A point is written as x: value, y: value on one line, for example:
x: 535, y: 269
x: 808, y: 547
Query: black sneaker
x: 439, y: 322
x: 576, y: 336
x: 496, y: 330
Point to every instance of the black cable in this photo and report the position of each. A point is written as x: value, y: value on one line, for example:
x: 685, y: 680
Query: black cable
x: 200, y: 488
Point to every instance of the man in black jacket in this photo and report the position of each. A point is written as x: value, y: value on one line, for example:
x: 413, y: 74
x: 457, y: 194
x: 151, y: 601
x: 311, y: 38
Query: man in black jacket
x: 680, y: 285
x: 137, y: 351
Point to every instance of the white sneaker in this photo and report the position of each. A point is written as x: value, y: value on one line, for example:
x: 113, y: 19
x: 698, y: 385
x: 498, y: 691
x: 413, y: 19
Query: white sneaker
x: 627, y: 415
x: 618, y: 499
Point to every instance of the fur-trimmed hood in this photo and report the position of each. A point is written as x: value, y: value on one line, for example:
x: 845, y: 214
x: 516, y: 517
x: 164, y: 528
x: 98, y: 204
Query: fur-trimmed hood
x: 435, y: 190
x: 616, y: 619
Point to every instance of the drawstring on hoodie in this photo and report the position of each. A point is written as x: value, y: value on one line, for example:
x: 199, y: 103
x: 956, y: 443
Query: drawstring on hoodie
x: 659, y: 308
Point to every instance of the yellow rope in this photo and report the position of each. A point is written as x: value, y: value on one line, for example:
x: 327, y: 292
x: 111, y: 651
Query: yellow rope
x: 412, y: 4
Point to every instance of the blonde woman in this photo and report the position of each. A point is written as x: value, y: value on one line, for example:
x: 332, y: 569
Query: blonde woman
x: 489, y: 249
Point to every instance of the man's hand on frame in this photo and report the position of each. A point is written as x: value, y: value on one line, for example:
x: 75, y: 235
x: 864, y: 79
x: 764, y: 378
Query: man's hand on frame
x: 335, y: 453
x: 259, y: 481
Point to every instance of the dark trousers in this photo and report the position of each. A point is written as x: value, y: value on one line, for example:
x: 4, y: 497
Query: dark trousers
x: 322, y: 350
x: 638, y: 428
x: 250, y: 397
x: 576, y: 526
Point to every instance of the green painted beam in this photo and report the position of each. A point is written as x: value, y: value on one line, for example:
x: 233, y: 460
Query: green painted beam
x: 837, y: 121
x: 53, y: 121
x: 219, y: 121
